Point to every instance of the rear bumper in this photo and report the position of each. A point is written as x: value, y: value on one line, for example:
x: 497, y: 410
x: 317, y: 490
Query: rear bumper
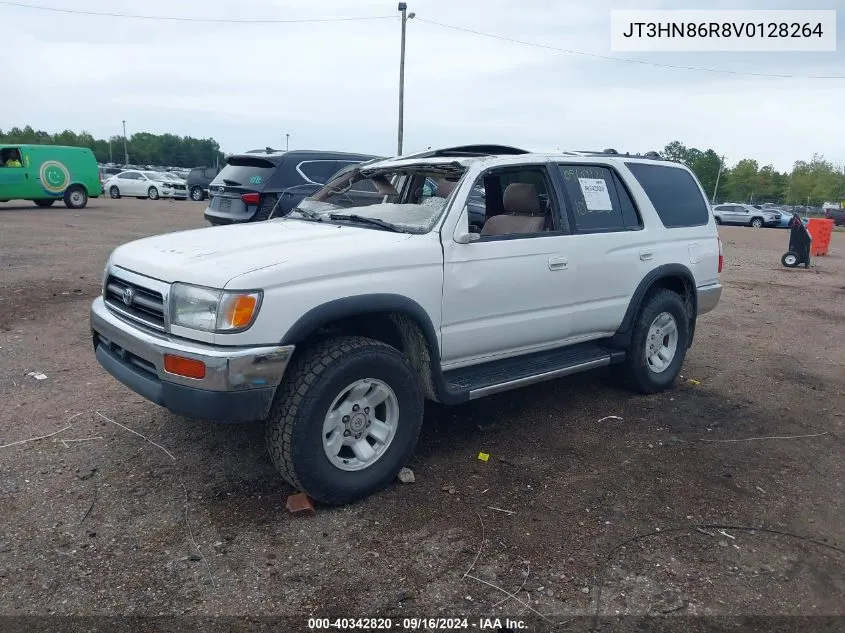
x: 708, y: 297
x: 239, y: 384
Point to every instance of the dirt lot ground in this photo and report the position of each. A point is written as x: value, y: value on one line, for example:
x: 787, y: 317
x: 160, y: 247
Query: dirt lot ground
x: 115, y: 525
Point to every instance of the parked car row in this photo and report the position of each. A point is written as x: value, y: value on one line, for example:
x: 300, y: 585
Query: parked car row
x: 756, y: 216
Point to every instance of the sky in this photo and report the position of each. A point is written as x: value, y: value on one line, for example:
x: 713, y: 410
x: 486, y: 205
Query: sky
x: 334, y: 85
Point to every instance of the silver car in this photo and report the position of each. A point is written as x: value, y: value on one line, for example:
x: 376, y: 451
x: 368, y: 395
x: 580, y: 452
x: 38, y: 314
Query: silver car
x: 746, y: 215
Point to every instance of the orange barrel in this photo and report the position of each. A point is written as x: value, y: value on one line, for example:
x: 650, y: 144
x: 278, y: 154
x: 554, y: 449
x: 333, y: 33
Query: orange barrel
x: 821, y: 230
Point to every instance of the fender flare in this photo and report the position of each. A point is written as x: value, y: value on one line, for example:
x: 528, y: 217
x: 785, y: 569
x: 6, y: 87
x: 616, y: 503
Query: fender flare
x: 357, y: 305
x: 622, y: 336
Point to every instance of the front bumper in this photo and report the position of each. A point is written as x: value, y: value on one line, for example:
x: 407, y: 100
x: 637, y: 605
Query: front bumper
x: 239, y: 382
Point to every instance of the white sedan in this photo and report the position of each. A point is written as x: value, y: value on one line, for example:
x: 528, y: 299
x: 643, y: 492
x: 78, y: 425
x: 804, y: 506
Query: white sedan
x: 146, y: 184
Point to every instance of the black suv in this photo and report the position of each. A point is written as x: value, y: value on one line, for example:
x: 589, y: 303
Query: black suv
x: 249, y: 187
x: 837, y: 215
x: 198, y: 180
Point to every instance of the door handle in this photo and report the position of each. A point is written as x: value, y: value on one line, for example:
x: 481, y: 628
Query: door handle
x: 558, y: 263
x: 646, y: 254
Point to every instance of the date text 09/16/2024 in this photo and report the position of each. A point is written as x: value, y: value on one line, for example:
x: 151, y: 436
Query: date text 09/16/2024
x: 416, y: 624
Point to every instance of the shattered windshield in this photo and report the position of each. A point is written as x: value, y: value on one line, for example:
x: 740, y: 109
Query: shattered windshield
x: 408, y: 199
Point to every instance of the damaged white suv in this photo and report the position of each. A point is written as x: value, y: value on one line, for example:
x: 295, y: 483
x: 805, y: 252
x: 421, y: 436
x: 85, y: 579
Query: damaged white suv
x: 447, y: 275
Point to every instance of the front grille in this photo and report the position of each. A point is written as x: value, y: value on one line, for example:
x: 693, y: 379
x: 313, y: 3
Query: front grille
x: 135, y: 302
x: 182, y: 187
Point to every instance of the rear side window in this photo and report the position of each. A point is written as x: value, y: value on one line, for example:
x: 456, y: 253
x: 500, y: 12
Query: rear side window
x: 674, y: 193
x: 246, y: 171
x: 598, y: 200
x: 319, y: 171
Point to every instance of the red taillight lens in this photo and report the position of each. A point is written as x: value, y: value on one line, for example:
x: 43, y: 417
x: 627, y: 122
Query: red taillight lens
x: 721, y: 256
x: 251, y: 198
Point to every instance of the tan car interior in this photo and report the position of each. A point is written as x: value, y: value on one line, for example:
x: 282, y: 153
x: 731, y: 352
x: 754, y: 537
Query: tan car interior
x: 523, y: 212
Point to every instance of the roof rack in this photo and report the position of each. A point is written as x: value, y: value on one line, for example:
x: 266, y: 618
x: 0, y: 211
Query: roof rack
x: 612, y: 152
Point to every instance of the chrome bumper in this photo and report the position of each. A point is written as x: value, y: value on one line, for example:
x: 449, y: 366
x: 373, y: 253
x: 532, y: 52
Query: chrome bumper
x: 136, y: 358
x: 708, y: 297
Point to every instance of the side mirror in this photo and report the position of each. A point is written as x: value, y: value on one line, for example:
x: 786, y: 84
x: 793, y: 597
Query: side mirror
x: 467, y: 238
x: 462, y: 232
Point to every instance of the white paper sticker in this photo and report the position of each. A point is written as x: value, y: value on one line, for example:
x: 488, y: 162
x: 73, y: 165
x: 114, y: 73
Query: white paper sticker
x: 595, y: 194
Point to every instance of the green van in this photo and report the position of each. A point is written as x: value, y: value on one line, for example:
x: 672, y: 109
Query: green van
x: 46, y: 173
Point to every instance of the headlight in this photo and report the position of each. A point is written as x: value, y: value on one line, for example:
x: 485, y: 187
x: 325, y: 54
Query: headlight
x: 212, y: 310
x: 106, y: 273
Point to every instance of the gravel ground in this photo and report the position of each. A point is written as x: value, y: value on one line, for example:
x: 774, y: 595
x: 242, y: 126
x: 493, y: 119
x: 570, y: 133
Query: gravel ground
x: 195, y: 523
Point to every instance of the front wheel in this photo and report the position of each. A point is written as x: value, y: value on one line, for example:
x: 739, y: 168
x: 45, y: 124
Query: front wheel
x: 345, y: 419
x: 197, y: 194
x: 152, y: 193
x: 757, y: 223
x: 789, y: 259
x: 114, y: 192
x: 719, y: 221
x: 659, y: 343
x: 76, y: 197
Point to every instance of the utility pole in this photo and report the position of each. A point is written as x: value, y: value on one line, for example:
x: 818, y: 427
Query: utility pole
x: 287, y: 142
x: 403, y: 8
x: 718, y: 174
x: 125, y: 150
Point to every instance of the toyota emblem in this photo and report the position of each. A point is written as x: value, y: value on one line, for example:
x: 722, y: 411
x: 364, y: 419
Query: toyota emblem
x: 128, y: 295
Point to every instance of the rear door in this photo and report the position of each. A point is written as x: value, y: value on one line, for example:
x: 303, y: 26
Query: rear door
x: 129, y: 183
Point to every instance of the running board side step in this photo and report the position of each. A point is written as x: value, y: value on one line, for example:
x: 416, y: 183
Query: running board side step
x: 497, y: 376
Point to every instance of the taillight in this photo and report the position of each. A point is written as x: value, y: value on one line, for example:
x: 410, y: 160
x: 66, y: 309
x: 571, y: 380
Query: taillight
x: 721, y: 256
x: 251, y: 198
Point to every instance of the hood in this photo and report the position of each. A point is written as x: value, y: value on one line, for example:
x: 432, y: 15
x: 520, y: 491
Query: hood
x: 215, y: 255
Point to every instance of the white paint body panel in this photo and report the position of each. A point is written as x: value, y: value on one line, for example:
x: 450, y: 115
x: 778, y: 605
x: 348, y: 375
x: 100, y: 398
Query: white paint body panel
x: 485, y: 299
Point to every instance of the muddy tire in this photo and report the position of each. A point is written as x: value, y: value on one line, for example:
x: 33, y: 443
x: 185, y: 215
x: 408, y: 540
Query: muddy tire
x: 345, y: 419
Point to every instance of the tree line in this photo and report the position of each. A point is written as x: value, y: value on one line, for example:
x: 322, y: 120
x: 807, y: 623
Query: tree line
x: 143, y: 148
x: 817, y: 181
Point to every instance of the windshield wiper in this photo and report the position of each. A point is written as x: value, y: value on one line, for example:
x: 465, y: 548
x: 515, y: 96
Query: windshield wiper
x: 360, y: 219
x: 232, y: 183
x: 308, y: 214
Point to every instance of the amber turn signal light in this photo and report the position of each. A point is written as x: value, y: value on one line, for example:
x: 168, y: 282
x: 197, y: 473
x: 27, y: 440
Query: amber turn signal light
x: 187, y: 367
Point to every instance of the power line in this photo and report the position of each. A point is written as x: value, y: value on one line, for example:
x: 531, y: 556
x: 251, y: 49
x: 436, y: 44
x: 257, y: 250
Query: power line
x: 173, y: 18
x: 569, y: 51
x: 623, y: 59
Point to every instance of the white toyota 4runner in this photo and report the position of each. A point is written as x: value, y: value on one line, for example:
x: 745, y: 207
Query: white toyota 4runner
x: 447, y: 275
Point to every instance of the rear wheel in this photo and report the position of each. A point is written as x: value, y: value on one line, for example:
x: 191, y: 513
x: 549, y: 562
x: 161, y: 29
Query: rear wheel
x: 114, y: 192
x: 659, y: 342
x: 44, y: 203
x: 152, y: 193
x: 345, y: 419
x: 197, y: 194
x: 757, y: 223
x: 76, y: 197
